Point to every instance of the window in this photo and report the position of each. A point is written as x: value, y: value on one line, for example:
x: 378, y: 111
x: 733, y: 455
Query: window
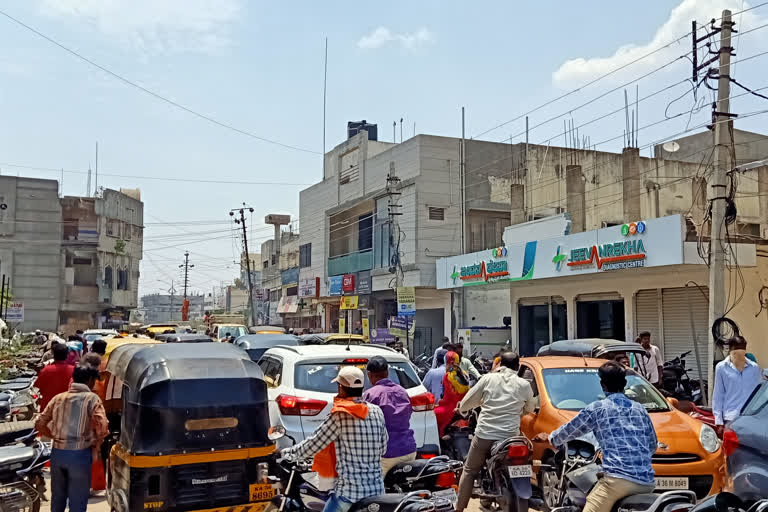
x: 113, y: 228
x: 318, y: 376
x: 266, y: 263
x: 272, y: 369
x: 365, y: 232
x: 120, y: 275
x: 305, y: 255
x: 127, y: 228
x: 108, y: 277
x: 486, y: 229
x: 274, y: 259
x: 436, y: 213
x: 81, y: 261
x: 382, y: 244
x: 757, y: 401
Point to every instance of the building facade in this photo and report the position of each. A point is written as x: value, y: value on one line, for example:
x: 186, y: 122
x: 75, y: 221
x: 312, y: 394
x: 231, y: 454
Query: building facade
x: 162, y: 308
x: 102, y: 247
x: 30, y: 250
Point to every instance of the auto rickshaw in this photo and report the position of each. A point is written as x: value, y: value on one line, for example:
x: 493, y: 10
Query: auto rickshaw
x: 193, y: 430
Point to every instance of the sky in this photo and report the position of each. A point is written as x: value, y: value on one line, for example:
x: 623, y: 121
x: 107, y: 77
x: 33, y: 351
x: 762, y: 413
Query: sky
x: 257, y: 68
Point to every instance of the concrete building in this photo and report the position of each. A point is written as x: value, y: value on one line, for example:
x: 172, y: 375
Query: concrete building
x: 30, y: 248
x: 275, y: 283
x: 102, y: 247
x: 160, y: 308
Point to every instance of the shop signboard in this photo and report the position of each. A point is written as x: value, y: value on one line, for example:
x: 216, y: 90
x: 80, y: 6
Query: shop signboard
x: 342, y: 326
x: 398, y: 326
x: 348, y: 283
x: 406, y: 301
x: 309, y: 287
x: 288, y: 304
x: 366, y: 334
x: 364, y: 282
x: 335, y: 286
x: 382, y: 336
x: 260, y: 294
x: 15, y: 312
x: 348, y: 302
x: 651, y: 243
x: 290, y: 276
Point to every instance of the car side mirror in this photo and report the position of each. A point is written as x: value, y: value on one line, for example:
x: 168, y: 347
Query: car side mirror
x: 673, y: 402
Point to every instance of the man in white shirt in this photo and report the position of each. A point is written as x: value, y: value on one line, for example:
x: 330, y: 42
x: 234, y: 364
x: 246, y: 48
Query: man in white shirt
x: 503, y: 398
x: 650, y: 364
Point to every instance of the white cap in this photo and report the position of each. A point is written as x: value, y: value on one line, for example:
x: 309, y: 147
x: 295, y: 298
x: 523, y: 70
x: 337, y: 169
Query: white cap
x: 350, y: 377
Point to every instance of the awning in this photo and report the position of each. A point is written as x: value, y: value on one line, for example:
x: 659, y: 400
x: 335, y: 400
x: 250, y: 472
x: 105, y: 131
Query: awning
x: 288, y: 304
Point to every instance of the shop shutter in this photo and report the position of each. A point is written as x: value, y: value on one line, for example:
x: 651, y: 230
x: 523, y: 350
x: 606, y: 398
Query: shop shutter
x: 678, y: 337
x: 647, y: 315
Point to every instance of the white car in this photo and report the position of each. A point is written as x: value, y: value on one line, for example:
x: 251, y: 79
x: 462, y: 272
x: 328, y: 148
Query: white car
x: 301, y: 392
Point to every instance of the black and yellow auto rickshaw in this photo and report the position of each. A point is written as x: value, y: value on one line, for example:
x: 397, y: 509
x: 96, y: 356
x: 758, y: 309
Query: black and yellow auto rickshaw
x: 193, y: 430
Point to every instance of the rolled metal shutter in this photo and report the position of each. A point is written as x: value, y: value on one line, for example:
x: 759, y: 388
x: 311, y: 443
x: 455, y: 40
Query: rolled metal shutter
x: 678, y: 337
x: 647, y: 315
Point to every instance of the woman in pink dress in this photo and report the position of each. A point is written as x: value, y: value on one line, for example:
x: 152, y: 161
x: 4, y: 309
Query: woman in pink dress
x: 455, y: 386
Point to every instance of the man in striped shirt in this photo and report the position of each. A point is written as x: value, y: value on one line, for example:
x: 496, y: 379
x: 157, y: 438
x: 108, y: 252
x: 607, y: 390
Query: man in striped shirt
x: 77, y: 423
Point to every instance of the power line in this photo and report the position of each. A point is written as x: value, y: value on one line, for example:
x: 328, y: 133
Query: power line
x: 154, y: 94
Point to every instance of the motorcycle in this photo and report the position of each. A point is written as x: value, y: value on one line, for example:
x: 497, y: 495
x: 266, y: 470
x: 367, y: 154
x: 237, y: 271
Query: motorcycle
x: 301, y: 492
x: 22, y: 397
x: 727, y: 502
x: 676, y: 383
x: 457, y: 438
x: 438, y: 474
x: 22, y: 485
x: 576, y: 470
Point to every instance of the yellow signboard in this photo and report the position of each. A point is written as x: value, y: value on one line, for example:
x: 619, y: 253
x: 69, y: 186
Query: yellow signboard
x: 366, y: 336
x: 342, y: 325
x: 348, y: 302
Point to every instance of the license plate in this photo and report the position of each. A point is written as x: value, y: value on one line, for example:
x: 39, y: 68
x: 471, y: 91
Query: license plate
x: 672, y: 483
x: 520, y: 471
x: 447, y: 494
x: 262, y: 492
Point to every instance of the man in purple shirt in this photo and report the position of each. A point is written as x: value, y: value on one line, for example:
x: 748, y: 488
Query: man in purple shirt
x: 395, y: 403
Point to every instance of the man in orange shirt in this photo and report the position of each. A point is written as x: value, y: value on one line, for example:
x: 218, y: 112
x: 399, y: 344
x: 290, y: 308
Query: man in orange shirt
x: 54, y: 378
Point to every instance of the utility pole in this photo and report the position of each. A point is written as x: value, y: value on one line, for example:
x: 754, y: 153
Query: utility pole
x: 722, y: 120
x: 241, y: 221
x: 186, y: 266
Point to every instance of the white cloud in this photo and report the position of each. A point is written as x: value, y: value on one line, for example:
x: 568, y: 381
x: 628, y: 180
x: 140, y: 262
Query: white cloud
x: 155, y: 25
x: 580, y: 70
x: 383, y: 36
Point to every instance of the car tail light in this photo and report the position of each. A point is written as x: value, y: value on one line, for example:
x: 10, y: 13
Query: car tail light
x: 423, y: 402
x: 730, y: 442
x: 355, y: 361
x: 297, y: 406
x: 446, y: 480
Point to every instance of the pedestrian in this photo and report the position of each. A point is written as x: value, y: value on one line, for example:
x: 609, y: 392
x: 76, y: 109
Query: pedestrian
x: 92, y: 360
x: 465, y: 364
x: 395, y: 403
x: 735, y: 378
x: 503, y: 398
x: 77, y: 423
x: 54, y: 378
x: 433, y: 380
x: 75, y: 350
x: 649, y: 364
x: 355, y: 436
x: 99, y: 346
x: 445, y: 346
x: 625, y: 435
x: 455, y: 386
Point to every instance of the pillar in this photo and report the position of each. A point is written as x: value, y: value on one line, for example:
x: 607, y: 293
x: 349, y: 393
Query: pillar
x: 630, y: 170
x: 517, y: 202
x: 762, y: 195
x: 571, y: 313
x: 575, y: 198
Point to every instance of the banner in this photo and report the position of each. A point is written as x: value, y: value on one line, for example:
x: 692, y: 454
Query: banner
x: 308, y: 287
x: 406, y: 301
x: 15, y: 312
x: 382, y: 336
x: 400, y: 325
x: 366, y: 335
x: 348, y: 302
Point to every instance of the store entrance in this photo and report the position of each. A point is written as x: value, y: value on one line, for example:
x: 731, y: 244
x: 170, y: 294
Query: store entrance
x: 600, y: 319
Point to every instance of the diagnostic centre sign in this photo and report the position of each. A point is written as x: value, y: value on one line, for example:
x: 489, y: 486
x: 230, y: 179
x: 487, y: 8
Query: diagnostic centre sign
x: 650, y: 243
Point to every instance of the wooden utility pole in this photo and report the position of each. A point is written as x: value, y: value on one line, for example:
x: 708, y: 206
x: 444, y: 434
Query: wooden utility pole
x: 718, y: 192
x: 241, y: 221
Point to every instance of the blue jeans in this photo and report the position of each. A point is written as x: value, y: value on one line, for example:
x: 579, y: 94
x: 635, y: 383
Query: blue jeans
x: 334, y: 504
x: 70, y: 479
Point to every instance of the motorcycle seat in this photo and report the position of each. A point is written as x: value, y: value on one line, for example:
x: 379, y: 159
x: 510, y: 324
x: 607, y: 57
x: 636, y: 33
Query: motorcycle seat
x: 16, y: 454
x: 15, y: 386
x: 637, y: 502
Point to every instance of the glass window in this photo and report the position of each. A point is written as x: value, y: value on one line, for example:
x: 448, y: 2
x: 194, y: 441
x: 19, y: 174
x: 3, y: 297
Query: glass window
x: 573, y: 389
x: 108, y: 277
x: 365, y: 232
x: 757, y: 402
x: 318, y: 376
x: 533, y: 325
x: 305, y: 255
x: 382, y: 243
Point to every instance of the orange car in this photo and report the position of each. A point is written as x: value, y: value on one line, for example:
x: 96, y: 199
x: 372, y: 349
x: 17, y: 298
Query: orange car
x: 689, y: 455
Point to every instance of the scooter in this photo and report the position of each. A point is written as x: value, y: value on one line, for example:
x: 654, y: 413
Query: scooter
x: 22, y: 484
x: 301, y: 493
x: 577, y: 470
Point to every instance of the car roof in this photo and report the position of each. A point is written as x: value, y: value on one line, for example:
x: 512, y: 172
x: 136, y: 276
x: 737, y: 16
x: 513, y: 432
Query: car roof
x: 335, y: 352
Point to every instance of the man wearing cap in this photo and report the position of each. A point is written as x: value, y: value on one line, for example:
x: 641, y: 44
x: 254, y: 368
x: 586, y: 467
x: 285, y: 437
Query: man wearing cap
x: 395, y: 403
x: 353, y: 438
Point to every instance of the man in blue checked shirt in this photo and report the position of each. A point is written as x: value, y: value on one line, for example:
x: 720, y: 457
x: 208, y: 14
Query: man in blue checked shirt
x: 626, y: 436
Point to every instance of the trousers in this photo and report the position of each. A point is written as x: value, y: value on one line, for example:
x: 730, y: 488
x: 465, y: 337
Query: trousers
x: 609, y: 490
x: 335, y: 503
x: 70, y: 479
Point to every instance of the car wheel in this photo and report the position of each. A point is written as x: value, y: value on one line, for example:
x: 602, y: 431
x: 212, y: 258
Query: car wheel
x: 549, y: 485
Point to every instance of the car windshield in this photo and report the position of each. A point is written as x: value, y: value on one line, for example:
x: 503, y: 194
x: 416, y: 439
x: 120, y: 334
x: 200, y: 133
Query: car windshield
x: 573, y: 389
x: 757, y: 402
x: 232, y: 330
x: 93, y: 337
x: 318, y: 376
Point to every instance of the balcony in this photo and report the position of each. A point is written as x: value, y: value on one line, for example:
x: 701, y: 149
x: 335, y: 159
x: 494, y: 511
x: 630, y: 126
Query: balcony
x: 352, y: 262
